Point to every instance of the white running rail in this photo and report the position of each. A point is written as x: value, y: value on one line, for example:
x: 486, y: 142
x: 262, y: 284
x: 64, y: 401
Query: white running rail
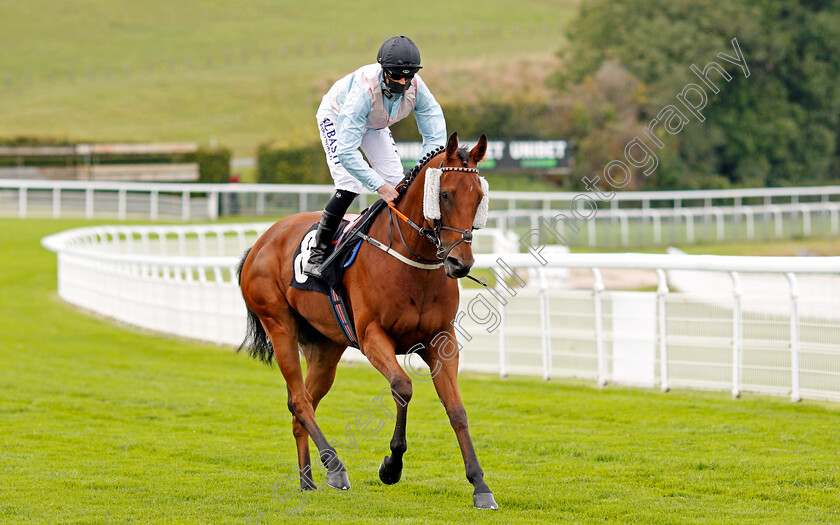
x: 628, y: 227
x: 629, y: 219
x: 743, y: 324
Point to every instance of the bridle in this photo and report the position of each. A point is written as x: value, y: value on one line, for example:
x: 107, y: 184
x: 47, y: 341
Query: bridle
x: 432, y: 234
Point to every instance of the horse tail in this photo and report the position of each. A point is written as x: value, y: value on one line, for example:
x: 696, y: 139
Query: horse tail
x: 256, y: 340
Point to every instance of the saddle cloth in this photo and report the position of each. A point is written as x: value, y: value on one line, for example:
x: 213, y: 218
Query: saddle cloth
x: 344, y: 257
x: 344, y: 254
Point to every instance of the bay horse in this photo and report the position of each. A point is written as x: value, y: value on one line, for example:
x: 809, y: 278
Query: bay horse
x: 394, y: 305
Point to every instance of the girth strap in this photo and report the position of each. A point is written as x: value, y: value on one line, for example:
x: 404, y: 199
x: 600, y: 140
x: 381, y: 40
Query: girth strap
x: 342, y: 316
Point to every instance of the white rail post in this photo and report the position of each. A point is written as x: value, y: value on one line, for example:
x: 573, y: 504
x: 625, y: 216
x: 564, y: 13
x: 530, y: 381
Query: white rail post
x: 794, y: 337
x: 220, y: 242
x: 185, y: 206
x: 121, y: 204
x: 213, y: 203
x: 202, y: 243
x: 806, y: 220
x: 261, y: 203
x: 777, y: 222
x: 22, y: 203
x: 720, y: 225
x: 737, y: 292
x: 597, y: 288
x: 162, y: 241
x: 182, y: 243
x: 154, y: 205
x: 689, y: 225
x: 89, y: 203
x: 624, y: 228
x: 56, y: 203
x: 545, y: 324
x: 770, y: 214
x: 661, y: 294
x: 240, y: 241
x: 657, y: 226
x: 750, y: 224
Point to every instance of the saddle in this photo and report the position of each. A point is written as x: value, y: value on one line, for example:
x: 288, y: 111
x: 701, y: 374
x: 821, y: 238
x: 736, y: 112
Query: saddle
x: 347, y: 243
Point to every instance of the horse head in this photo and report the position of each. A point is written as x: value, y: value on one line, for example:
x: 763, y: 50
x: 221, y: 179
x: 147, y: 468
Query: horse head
x: 455, y: 202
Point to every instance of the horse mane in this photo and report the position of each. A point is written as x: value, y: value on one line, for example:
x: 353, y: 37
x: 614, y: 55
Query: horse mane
x: 463, y: 156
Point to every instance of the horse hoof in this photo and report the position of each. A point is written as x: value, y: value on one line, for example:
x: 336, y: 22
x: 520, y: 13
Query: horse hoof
x: 338, y: 480
x: 391, y: 475
x: 307, y: 485
x: 485, y: 501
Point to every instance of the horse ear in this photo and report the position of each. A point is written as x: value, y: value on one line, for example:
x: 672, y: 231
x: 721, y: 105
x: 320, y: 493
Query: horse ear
x: 452, y: 145
x: 480, y: 149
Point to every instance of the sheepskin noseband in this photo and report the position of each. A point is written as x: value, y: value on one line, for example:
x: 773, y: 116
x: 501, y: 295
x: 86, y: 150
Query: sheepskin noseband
x: 431, y: 197
x: 483, y: 206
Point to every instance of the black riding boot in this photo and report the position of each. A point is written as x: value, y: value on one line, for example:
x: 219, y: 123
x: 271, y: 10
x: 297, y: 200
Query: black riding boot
x: 323, y: 241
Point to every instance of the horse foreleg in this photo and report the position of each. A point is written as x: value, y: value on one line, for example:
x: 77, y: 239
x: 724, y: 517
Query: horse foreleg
x: 379, y: 349
x: 283, y: 334
x: 446, y: 385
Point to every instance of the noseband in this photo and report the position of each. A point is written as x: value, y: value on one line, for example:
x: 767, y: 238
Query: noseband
x: 433, y: 234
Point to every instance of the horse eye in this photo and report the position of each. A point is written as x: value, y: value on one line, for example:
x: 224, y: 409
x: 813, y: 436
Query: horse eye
x: 444, y: 195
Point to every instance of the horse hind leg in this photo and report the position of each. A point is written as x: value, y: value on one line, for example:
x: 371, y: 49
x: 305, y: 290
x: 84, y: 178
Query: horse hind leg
x: 321, y: 362
x: 282, y: 330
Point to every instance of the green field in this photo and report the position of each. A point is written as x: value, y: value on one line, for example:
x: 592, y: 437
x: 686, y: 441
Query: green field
x: 104, y: 424
x: 246, y: 72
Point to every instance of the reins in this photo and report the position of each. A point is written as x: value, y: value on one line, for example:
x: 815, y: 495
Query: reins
x: 466, y: 236
x: 433, y: 234
x: 430, y: 234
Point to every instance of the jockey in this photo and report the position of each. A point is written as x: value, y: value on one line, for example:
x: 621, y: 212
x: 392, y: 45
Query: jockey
x: 357, y: 112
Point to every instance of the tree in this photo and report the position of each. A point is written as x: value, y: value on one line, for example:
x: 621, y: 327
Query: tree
x: 778, y: 127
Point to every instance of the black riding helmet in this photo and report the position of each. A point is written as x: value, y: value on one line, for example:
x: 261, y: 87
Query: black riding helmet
x: 399, y: 58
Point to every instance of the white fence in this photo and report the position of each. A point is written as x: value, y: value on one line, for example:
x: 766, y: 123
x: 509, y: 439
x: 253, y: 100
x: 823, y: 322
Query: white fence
x: 658, y: 226
x: 630, y: 218
x: 772, y: 325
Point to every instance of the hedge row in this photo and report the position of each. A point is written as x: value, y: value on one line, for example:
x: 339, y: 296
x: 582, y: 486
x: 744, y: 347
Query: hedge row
x: 299, y: 165
x: 213, y: 163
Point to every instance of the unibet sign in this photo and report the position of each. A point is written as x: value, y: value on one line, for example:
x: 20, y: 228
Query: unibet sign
x: 513, y: 155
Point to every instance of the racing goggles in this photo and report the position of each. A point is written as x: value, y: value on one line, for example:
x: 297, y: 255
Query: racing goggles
x: 399, y: 73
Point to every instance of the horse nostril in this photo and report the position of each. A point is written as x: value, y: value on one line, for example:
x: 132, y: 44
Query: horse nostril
x: 454, y: 263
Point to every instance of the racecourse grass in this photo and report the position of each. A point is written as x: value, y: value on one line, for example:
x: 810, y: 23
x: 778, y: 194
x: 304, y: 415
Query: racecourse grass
x: 101, y: 423
x: 247, y: 72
